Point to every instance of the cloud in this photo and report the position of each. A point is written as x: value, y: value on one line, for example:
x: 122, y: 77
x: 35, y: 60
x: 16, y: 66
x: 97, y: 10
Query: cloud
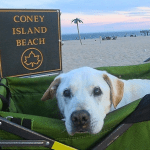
x: 20, y: 3
x: 28, y: 3
x: 98, y: 21
x: 92, y: 13
x: 138, y: 11
x: 139, y: 14
x: 122, y: 26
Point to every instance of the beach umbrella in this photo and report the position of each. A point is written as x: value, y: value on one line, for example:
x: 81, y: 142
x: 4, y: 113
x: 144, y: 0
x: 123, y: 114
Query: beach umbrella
x: 77, y: 21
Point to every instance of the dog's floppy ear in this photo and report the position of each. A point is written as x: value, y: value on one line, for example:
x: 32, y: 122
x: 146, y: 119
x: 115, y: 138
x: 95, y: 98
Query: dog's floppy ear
x: 116, y: 88
x: 51, y: 91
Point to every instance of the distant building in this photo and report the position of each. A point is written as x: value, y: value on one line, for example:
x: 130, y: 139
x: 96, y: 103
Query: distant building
x: 146, y: 32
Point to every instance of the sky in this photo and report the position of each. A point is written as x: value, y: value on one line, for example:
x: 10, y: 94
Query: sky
x: 97, y: 15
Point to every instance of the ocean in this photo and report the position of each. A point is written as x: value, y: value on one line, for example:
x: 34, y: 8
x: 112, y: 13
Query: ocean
x: 97, y: 35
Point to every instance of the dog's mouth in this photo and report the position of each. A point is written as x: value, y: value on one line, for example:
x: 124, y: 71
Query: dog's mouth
x: 80, y: 130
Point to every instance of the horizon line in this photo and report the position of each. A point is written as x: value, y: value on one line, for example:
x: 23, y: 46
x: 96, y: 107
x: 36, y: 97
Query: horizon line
x: 106, y: 31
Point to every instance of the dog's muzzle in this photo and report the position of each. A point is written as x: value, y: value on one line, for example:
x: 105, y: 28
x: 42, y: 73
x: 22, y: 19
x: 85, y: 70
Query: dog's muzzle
x: 80, y: 121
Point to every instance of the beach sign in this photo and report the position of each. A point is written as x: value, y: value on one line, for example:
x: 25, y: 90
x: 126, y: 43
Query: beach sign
x: 30, y: 42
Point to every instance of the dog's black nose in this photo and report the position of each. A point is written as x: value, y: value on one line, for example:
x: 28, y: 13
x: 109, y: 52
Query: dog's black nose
x: 80, y: 119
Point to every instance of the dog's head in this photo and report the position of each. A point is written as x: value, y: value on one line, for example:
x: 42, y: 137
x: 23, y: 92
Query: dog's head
x: 84, y: 97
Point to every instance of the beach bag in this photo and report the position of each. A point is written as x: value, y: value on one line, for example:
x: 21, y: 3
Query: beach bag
x: 127, y: 128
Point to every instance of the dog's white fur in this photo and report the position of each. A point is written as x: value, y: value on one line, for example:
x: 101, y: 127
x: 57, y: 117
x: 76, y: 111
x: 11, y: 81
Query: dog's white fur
x: 115, y: 94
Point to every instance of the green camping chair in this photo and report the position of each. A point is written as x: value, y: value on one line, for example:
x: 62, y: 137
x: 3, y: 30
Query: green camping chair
x: 26, y: 122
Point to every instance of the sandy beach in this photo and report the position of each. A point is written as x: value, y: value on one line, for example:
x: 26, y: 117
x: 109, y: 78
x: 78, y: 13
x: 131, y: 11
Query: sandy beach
x: 93, y: 53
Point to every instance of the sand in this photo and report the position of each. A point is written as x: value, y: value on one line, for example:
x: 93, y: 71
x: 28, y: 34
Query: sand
x: 93, y: 53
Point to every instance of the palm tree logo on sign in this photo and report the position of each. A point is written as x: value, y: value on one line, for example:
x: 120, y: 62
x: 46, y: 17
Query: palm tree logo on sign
x: 32, y: 58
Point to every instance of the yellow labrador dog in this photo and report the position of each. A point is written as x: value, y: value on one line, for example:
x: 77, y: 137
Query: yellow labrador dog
x: 86, y: 95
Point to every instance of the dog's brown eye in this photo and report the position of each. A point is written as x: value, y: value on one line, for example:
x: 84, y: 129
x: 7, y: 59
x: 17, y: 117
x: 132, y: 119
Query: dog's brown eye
x: 97, y: 91
x: 67, y: 93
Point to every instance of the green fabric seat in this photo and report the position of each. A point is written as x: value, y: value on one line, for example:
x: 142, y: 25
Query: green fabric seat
x: 46, y: 119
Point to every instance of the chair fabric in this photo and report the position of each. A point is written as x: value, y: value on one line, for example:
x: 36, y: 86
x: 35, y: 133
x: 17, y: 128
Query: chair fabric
x: 45, y: 117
